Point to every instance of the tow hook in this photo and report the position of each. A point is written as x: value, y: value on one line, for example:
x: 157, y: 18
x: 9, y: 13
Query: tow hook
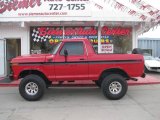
x: 143, y: 75
x: 134, y: 79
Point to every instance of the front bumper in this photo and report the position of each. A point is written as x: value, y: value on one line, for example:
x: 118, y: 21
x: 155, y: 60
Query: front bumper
x: 11, y: 77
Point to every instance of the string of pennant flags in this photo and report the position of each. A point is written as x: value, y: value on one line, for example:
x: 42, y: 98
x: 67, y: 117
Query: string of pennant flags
x: 150, y: 10
x: 153, y: 14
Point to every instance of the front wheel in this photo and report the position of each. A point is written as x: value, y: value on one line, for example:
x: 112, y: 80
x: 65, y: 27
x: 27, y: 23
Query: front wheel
x: 32, y: 87
x: 98, y: 83
x: 114, y: 86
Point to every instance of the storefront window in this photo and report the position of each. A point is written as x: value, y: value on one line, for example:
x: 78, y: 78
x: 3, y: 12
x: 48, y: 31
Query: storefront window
x: 91, y: 33
x: 44, y: 38
x: 113, y: 39
x: 116, y: 39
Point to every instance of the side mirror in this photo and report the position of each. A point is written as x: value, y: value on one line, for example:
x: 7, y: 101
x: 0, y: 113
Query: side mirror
x: 137, y: 51
x: 65, y: 53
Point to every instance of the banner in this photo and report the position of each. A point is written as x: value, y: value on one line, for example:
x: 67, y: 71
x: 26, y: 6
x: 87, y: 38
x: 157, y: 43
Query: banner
x: 56, y: 34
x: 150, y: 10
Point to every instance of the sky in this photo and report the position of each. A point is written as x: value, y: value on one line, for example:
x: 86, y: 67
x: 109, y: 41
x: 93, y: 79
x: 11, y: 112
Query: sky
x: 152, y: 33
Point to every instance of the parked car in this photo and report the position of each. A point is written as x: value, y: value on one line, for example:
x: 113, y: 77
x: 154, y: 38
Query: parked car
x: 157, y: 58
x: 151, y: 63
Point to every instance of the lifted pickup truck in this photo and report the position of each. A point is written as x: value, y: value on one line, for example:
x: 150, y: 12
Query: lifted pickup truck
x: 75, y: 59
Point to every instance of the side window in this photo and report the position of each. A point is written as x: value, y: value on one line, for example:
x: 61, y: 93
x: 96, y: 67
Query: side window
x: 73, y: 48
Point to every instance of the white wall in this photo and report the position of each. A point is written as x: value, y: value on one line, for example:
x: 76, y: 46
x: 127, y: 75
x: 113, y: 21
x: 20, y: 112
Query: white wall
x: 152, y: 33
x: 9, y: 31
x: 134, y: 38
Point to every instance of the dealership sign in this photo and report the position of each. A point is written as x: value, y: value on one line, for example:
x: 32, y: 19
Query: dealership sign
x: 55, y: 34
x: 73, y: 31
x: 51, y: 8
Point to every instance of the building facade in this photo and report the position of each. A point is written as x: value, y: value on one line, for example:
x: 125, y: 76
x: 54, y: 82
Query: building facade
x: 150, y: 45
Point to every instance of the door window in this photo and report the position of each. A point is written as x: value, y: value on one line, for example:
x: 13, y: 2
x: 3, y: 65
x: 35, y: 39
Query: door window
x: 73, y: 48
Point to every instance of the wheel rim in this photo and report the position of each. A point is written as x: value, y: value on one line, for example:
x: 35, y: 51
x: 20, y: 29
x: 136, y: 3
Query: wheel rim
x: 31, y: 88
x: 115, y: 87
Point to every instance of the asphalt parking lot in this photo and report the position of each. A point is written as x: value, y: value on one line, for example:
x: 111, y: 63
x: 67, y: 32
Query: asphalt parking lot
x: 154, y: 74
x: 76, y: 103
x: 141, y: 103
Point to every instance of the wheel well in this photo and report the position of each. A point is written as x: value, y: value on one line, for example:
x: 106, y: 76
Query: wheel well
x: 113, y: 71
x: 35, y: 72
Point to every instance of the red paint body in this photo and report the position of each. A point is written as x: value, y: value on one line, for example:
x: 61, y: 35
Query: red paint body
x: 88, y: 66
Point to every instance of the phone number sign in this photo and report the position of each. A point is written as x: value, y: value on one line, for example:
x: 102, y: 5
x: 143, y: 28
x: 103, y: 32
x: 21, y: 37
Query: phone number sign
x: 32, y: 8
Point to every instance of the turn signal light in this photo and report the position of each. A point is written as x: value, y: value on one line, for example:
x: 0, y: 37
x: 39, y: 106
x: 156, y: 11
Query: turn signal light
x: 14, y: 64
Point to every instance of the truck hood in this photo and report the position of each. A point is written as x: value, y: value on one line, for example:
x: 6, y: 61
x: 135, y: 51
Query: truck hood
x: 31, y: 58
x: 152, y: 63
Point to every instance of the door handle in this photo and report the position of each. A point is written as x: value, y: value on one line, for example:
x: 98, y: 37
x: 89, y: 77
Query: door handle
x: 49, y: 59
x: 81, y: 59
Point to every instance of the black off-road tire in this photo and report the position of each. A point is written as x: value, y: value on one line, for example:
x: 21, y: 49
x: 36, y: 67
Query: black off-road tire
x: 37, y: 81
x: 48, y: 84
x: 117, y: 80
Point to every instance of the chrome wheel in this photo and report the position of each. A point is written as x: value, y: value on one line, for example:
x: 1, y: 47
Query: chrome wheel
x: 115, y: 87
x: 31, y: 88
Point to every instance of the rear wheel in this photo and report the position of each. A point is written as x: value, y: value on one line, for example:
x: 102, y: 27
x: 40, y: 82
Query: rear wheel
x: 32, y: 87
x: 114, y: 86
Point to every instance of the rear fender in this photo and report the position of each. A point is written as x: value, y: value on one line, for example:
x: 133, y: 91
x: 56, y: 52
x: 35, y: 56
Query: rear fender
x: 113, y: 71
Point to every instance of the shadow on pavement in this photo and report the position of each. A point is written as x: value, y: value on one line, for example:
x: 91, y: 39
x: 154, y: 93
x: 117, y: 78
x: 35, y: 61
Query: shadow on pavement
x: 5, y: 80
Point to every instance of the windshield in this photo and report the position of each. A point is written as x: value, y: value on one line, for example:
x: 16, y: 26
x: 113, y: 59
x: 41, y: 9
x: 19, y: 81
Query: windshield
x: 55, y: 48
x: 149, y: 58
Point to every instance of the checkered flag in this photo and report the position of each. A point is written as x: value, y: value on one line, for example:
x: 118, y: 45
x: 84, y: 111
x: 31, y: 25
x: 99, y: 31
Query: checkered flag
x: 37, y: 38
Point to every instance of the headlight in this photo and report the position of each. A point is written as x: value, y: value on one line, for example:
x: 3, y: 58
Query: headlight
x: 147, y: 67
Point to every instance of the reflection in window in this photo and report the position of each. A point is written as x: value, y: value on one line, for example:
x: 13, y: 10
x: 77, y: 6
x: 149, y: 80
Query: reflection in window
x: 73, y: 48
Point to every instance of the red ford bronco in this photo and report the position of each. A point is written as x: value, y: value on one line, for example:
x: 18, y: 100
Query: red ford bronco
x: 72, y: 60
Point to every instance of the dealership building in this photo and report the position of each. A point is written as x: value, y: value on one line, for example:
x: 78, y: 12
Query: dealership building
x: 35, y: 26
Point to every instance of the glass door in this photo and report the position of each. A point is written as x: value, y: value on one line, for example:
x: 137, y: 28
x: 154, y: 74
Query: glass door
x: 13, y: 49
x: 2, y: 57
